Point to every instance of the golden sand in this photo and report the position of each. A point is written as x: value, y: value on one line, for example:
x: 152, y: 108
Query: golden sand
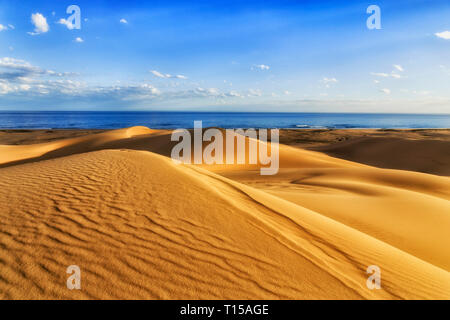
x: 140, y: 226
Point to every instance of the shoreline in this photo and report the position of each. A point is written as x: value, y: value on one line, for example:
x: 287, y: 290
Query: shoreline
x: 256, y: 128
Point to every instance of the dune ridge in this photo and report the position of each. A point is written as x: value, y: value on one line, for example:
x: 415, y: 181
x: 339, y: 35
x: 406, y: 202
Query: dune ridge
x: 140, y: 226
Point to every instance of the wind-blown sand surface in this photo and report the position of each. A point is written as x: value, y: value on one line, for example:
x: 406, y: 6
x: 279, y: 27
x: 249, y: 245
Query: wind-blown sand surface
x: 140, y: 226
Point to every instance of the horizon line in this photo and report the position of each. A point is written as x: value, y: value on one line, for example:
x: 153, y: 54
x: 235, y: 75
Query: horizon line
x: 197, y: 111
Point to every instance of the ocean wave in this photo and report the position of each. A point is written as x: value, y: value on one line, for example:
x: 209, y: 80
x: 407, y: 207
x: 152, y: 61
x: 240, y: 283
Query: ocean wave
x: 307, y: 126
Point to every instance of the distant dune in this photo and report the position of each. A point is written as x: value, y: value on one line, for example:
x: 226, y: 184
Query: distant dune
x: 423, y: 150
x: 140, y: 226
x: 396, y: 153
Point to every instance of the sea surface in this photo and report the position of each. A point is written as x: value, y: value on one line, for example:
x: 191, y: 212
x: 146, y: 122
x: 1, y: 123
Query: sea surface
x: 173, y: 120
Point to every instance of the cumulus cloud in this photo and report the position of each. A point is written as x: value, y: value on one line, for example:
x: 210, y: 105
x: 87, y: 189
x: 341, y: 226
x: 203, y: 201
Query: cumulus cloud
x: 167, y: 76
x: 260, y: 67
x: 123, y: 21
x: 40, y: 24
x: 386, y: 91
x: 20, y: 81
x: 36, y: 82
x: 443, y: 35
x: 78, y: 39
x: 12, y: 69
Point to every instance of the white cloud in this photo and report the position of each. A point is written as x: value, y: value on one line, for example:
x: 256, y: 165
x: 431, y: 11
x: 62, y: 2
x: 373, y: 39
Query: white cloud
x: 167, y: 76
x: 18, y: 76
x: 32, y: 83
x: 287, y: 92
x: 234, y: 94
x: 329, y: 80
x: 158, y: 74
x: 78, y: 39
x: 123, y: 21
x: 444, y: 35
x: 261, y: 67
x: 386, y: 91
x: 12, y: 69
x: 254, y: 93
x: 399, y: 67
x: 380, y: 74
x: 16, y: 68
x: 212, y: 91
x: 68, y: 24
x: 9, y: 26
x: 40, y: 24
x: 386, y: 75
x: 25, y: 87
x: 376, y: 81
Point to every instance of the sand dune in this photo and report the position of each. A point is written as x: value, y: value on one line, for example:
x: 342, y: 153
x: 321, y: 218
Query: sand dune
x: 431, y: 156
x: 140, y: 226
x: 16, y: 153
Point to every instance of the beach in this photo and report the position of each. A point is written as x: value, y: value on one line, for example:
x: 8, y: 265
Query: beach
x: 140, y: 226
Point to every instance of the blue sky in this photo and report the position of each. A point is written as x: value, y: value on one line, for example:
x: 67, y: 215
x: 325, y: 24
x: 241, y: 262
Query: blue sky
x: 226, y: 56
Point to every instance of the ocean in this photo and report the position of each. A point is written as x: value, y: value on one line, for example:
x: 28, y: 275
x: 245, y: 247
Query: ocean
x: 173, y: 120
